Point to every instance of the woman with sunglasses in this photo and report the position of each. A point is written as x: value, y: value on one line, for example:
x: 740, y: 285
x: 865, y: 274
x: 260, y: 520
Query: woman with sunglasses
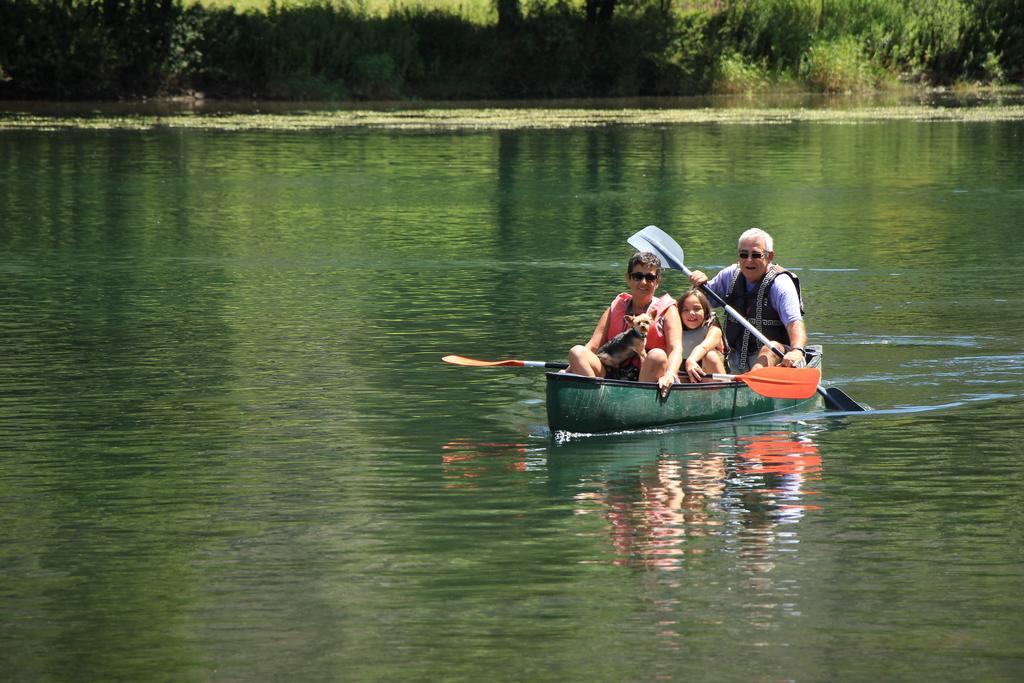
x: 768, y: 296
x: 664, y: 341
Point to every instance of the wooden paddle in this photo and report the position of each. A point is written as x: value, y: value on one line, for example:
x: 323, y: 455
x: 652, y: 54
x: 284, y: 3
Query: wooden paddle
x: 775, y: 382
x: 654, y: 239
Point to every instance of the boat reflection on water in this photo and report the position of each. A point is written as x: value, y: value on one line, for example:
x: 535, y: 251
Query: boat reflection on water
x: 664, y: 499
x: 733, y: 488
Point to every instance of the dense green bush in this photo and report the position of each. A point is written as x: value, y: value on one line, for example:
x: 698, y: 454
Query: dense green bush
x: 95, y: 49
x: 735, y: 74
x: 994, y: 41
x: 775, y: 33
x: 917, y: 37
x: 320, y: 49
x: 839, y: 66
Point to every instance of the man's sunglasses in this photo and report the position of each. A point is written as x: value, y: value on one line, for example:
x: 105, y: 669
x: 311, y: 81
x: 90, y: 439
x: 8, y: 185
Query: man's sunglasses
x: 637, y: 277
x: 756, y: 255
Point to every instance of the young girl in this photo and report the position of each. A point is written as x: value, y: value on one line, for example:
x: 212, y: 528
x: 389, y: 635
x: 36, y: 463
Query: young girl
x: 702, y: 337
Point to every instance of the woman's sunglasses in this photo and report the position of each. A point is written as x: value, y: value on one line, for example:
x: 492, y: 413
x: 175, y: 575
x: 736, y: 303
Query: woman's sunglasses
x: 637, y: 277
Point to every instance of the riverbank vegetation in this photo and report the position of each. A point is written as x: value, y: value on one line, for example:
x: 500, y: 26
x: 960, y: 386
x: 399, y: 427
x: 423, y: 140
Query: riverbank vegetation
x: 319, y: 50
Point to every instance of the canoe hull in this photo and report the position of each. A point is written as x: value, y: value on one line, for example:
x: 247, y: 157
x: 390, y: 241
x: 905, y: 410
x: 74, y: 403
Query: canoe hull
x: 592, y: 405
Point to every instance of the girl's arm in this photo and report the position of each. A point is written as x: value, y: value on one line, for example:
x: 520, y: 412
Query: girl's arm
x: 711, y: 341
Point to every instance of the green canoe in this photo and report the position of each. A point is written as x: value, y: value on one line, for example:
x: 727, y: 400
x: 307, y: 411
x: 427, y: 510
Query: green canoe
x: 591, y: 405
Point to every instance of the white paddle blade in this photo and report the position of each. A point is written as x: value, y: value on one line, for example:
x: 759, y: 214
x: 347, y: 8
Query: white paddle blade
x: 655, y: 240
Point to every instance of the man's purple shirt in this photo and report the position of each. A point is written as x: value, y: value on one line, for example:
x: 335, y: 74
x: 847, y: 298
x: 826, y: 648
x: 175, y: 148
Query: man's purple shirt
x: 783, y: 295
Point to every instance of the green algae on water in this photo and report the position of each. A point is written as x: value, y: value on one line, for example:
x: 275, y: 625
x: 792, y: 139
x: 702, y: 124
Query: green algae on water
x: 506, y: 118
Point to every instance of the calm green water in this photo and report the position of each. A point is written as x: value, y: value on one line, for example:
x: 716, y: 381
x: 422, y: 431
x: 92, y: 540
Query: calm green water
x: 230, y: 451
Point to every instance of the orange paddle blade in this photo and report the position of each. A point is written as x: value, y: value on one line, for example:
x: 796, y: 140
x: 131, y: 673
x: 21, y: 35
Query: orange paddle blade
x: 472, y: 362
x: 779, y: 382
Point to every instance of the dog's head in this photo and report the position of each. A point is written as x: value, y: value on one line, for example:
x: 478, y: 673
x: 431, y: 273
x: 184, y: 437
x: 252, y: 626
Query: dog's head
x: 641, y: 323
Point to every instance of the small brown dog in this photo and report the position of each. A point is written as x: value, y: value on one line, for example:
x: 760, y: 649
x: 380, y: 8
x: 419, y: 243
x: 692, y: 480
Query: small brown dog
x: 632, y: 342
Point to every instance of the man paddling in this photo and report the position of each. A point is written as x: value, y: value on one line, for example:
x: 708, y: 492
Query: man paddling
x: 768, y: 296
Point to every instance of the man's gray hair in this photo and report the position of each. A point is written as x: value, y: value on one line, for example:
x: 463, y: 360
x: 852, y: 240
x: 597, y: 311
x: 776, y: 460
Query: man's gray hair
x: 754, y: 233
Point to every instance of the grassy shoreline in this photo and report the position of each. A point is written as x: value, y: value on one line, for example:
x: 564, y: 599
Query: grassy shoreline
x: 340, y: 52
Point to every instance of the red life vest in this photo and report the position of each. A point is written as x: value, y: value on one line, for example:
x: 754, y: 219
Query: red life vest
x: 620, y: 309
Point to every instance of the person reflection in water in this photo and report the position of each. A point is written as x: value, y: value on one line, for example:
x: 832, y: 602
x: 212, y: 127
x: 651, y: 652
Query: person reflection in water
x: 664, y: 340
x: 671, y: 511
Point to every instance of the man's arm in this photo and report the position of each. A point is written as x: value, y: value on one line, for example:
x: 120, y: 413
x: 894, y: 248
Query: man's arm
x: 798, y: 340
x: 786, y: 301
x: 719, y: 284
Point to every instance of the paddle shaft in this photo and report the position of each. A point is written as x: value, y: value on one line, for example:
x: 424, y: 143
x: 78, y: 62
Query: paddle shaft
x: 776, y: 382
x: 834, y: 397
x: 665, y: 251
x: 724, y: 378
x: 509, y: 363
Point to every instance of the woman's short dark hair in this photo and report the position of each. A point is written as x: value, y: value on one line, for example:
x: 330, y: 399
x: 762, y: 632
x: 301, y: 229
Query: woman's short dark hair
x: 644, y: 258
